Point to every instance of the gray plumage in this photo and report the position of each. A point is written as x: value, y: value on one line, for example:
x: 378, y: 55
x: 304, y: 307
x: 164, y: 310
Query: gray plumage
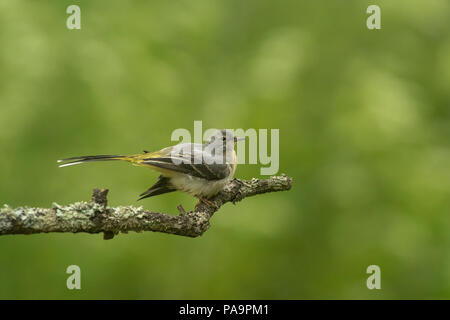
x: 201, y: 170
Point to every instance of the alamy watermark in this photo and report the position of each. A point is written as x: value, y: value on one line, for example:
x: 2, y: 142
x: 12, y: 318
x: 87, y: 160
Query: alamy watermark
x: 374, y: 20
x: 74, y: 280
x: 374, y: 280
x: 74, y: 20
x: 218, y: 147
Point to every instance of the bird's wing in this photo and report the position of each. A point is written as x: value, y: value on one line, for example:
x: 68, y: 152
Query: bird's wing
x: 192, y: 160
x: 161, y: 186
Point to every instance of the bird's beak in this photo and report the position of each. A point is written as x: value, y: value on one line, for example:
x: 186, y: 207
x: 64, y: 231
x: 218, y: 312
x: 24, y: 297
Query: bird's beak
x: 236, y: 139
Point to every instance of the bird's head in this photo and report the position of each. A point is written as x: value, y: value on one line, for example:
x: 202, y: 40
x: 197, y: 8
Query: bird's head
x: 224, y: 139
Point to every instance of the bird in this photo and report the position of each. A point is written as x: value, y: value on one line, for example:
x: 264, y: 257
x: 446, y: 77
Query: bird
x: 201, y: 170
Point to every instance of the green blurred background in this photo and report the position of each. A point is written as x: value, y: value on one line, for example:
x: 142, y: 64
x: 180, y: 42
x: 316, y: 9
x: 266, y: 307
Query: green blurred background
x: 364, y: 132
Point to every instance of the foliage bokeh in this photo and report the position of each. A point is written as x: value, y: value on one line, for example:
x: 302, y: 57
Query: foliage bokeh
x: 364, y: 131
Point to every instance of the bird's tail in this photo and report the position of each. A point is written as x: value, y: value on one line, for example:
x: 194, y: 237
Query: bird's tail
x: 83, y: 159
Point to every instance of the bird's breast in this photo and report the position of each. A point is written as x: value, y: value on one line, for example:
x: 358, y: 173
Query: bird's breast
x: 197, y: 186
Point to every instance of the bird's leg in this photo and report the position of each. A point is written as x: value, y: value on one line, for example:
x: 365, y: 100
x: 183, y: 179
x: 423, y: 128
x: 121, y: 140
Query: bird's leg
x: 181, y: 209
x: 208, y: 203
x: 240, y: 182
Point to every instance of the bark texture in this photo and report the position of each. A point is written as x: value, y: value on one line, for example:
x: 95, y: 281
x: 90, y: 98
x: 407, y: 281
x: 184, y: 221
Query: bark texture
x: 96, y: 217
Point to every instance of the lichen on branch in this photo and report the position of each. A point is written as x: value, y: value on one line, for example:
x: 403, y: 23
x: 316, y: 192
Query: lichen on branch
x: 96, y: 217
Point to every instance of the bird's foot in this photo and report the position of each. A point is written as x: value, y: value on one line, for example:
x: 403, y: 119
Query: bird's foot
x: 208, y: 203
x: 238, y: 181
x: 181, y: 209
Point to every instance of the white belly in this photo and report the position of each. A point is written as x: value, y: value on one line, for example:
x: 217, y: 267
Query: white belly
x: 200, y: 187
x: 197, y: 186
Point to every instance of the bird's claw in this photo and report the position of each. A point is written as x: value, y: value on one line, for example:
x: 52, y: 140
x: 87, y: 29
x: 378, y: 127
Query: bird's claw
x: 208, y: 203
x: 181, y: 209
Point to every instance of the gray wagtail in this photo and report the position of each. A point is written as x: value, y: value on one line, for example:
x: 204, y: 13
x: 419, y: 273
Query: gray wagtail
x: 201, y: 170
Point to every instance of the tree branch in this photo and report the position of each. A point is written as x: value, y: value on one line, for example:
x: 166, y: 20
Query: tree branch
x: 95, y: 216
